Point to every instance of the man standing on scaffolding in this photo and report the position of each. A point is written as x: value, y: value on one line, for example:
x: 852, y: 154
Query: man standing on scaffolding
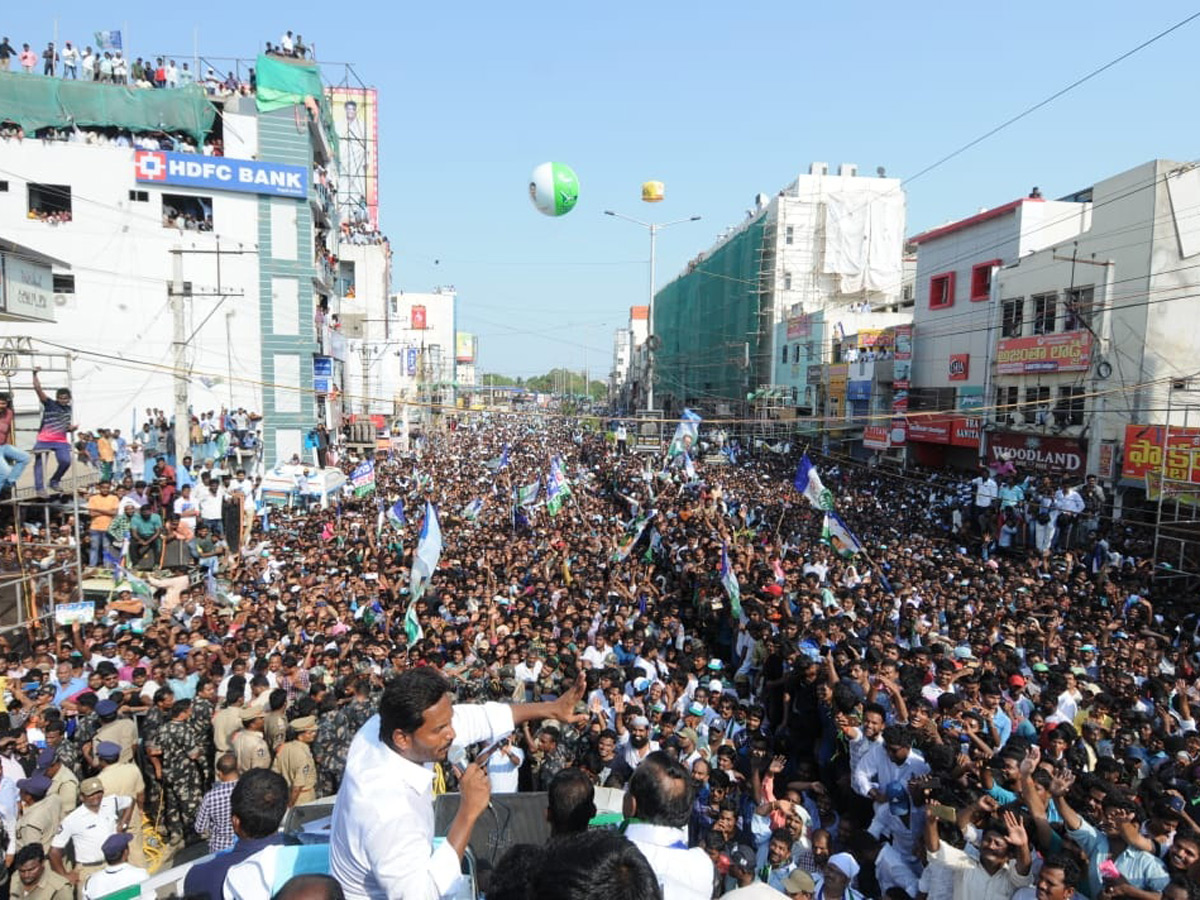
x: 54, y: 434
x: 12, y: 459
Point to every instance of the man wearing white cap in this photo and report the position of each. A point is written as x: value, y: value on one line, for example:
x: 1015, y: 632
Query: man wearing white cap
x: 635, y: 744
x: 840, y: 872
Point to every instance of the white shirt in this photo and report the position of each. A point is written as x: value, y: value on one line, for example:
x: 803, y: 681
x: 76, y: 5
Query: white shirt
x: 113, y: 878
x: 595, y: 655
x: 210, y: 503
x: 90, y: 829
x: 986, y: 491
x: 683, y: 873
x: 381, y: 845
x: 528, y: 673
x: 972, y: 881
x: 503, y: 771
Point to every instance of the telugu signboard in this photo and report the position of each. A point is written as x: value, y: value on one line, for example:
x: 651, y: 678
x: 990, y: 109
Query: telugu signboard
x: 799, y: 326
x: 26, y: 289
x: 1070, y: 351
x: 1061, y: 456
x: 1144, y: 447
x: 322, y: 374
x: 219, y: 173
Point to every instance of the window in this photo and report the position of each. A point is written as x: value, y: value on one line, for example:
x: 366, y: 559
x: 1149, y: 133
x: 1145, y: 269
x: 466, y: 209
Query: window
x: 187, y: 213
x: 1006, y: 403
x: 64, y: 284
x: 808, y: 350
x: 1077, y: 303
x: 787, y: 281
x: 1069, y: 410
x: 346, y: 287
x: 941, y: 290
x: 1012, y: 317
x: 1045, y: 310
x: 796, y: 353
x: 906, y: 293
x: 50, y: 202
x: 1037, y: 405
x: 981, y: 279
x: 787, y: 234
x: 783, y: 354
x: 3, y: 187
x: 139, y: 196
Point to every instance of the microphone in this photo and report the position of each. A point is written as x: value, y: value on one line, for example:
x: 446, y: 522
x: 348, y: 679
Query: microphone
x: 457, y: 757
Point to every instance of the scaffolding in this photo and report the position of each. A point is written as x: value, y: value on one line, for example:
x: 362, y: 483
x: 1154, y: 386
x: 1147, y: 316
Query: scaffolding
x: 1177, y: 513
x: 41, y: 561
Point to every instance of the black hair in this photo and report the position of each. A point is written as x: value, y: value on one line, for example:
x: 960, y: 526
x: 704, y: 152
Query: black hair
x: 29, y: 853
x: 277, y: 699
x: 259, y: 800
x: 571, y: 802
x: 662, y: 790
x: 405, y: 699
x: 596, y: 865
x: 512, y: 878
x: 1072, y: 873
x: 309, y: 887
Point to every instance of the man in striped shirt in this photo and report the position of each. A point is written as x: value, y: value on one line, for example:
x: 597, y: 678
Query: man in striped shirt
x: 53, y: 434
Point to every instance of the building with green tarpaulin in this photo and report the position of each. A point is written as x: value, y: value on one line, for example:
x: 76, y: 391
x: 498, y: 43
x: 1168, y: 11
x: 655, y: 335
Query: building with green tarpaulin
x: 188, y: 220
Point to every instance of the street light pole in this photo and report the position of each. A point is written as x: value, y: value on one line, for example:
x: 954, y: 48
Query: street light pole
x: 653, y: 228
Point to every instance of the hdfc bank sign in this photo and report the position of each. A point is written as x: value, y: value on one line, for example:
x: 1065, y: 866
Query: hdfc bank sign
x: 217, y: 173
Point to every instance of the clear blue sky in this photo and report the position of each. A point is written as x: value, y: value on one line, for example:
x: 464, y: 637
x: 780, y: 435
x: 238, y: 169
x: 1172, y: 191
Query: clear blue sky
x: 717, y: 101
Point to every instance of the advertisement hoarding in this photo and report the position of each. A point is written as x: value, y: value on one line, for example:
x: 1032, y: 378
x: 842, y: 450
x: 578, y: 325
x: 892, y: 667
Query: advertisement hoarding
x: 464, y: 347
x: 417, y: 318
x: 219, y: 173
x: 1032, y: 452
x: 1070, y: 351
x: 1144, y: 448
x: 356, y: 121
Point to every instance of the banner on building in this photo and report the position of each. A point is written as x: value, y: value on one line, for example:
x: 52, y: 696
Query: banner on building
x: 877, y: 437
x: 220, y: 173
x: 1033, y: 452
x: 410, y: 361
x: 1145, y: 446
x: 799, y: 326
x: 1070, y: 351
x: 960, y: 366
x: 322, y: 374
x: 362, y: 479
x: 899, y: 434
x: 356, y: 122
x: 904, y: 341
x: 464, y: 347
x: 417, y: 320
x: 874, y: 337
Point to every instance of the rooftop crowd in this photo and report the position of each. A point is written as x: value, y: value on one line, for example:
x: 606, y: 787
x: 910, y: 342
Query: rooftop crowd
x: 953, y: 712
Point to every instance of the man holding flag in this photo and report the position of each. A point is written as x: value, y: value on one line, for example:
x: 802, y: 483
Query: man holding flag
x: 425, y: 560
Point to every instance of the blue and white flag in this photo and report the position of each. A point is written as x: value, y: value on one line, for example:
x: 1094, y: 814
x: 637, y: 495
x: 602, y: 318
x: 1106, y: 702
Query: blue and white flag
x: 429, y: 551
x: 108, y: 40
x: 396, y: 514
x: 688, y: 468
x: 730, y: 583
x: 471, y: 511
x: 687, y: 432
x: 808, y: 483
x: 838, y: 535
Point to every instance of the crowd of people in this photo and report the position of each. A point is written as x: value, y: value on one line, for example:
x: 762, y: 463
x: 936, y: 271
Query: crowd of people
x: 926, y: 718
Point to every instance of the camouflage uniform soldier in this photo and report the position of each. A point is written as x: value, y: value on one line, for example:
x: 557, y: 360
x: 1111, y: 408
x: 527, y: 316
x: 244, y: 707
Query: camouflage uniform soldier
x: 330, y: 766
x: 177, y: 758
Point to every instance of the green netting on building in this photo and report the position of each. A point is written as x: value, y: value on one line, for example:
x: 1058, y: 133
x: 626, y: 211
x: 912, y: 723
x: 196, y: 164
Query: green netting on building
x: 280, y: 83
x: 34, y: 102
x: 703, y: 319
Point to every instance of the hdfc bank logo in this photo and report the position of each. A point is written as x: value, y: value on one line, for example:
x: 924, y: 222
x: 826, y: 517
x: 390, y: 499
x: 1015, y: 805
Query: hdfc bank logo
x: 150, y: 165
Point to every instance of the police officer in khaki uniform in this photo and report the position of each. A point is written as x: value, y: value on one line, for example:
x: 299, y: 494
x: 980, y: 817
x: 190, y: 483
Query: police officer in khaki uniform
x: 295, y: 761
x: 229, y: 717
x: 40, y: 812
x: 120, y: 730
x: 249, y: 745
x: 64, y: 784
x: 122, y: 779
x: 35, y: 880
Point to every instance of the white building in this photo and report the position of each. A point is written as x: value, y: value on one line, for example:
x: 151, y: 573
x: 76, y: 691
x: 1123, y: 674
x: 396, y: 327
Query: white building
x: 369, y: 324
x: 1096, y: 336
x: 424, y: 367
x: 824, y: 242
x: 250, y: 272
x: 955, y: 309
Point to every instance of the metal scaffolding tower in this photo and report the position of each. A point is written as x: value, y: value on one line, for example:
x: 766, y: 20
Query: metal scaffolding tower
x: 1177, y: 518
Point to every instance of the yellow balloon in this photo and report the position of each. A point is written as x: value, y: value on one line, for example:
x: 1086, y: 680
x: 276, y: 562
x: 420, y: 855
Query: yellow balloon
x: 652, y: 191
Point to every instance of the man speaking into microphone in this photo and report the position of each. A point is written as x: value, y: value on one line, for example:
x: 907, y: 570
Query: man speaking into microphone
x: 381, y: 846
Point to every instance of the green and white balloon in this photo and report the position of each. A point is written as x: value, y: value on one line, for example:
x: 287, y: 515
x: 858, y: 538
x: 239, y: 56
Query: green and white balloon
x: 554, y: 188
